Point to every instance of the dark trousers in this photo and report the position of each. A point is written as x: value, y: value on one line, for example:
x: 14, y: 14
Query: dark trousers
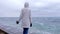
x: 25, y: 30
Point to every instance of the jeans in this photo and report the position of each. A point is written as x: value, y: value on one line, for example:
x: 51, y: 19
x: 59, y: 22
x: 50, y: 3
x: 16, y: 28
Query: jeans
x: 25, y: 30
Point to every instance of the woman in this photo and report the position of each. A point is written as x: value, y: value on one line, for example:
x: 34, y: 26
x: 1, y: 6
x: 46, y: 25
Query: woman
x: 26, y: 18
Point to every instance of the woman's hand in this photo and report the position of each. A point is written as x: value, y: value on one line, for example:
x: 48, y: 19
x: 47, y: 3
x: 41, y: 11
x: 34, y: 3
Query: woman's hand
x: 17, y: 22
x: 30, y: 24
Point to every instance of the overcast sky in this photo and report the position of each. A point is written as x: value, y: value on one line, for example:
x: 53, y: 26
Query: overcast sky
x: 39, y: 8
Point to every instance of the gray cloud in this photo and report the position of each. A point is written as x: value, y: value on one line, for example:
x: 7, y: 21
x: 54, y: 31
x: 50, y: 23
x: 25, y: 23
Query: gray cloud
x: 52, y: 10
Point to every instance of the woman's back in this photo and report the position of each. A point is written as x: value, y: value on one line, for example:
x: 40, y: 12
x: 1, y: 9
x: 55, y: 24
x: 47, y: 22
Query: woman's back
x: 25, y: 18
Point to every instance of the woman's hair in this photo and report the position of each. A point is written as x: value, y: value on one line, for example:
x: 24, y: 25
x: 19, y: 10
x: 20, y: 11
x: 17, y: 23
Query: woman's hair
x: 26, y: 4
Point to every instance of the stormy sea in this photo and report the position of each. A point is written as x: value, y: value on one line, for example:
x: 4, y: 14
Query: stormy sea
x: 41, y: 25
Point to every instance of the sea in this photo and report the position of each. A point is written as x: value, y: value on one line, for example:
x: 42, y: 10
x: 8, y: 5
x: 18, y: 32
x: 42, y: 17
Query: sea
x: 40, y: 25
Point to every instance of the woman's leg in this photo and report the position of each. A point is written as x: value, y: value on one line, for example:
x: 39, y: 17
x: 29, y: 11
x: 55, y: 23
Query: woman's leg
x: 25, y: 30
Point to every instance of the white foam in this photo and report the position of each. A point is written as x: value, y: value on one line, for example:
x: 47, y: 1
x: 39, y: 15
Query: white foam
x: 41, y: 24
x: 34, y: 30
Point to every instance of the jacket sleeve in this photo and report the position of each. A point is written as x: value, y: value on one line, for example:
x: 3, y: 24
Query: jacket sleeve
x: 21, y: 15
x: 30, y: 16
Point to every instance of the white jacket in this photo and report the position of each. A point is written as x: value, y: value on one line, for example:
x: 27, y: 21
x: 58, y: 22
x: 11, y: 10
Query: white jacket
x: 25, y: 17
